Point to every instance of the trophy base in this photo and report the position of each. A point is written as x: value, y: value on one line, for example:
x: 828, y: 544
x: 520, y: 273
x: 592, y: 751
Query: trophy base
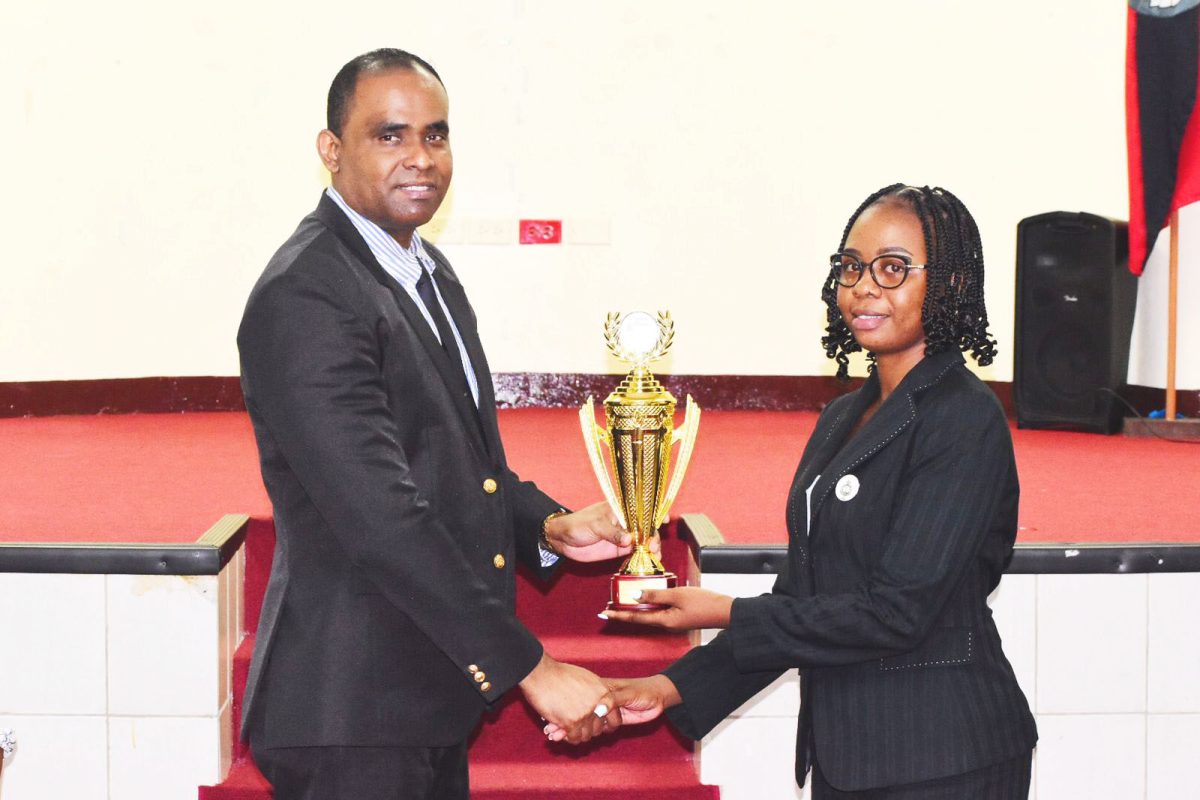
x: 622, y: 588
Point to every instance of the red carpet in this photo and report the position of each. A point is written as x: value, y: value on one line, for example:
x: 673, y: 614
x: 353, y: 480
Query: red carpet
x: 510, y: 758
x: 168, y: 477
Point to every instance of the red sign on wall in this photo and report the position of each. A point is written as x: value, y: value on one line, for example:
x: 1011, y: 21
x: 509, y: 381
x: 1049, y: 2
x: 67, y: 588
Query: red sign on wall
x: 541, y: 231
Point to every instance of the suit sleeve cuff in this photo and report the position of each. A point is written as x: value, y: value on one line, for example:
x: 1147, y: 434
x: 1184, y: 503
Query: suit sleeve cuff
x: 749, y: 637
x: 492, y: 676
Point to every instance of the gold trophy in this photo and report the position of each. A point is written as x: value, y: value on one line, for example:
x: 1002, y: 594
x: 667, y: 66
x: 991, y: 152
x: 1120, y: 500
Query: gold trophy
x: 639, y: 432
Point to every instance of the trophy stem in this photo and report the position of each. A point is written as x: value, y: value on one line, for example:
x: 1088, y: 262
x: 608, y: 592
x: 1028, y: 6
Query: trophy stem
x: 642, y: 562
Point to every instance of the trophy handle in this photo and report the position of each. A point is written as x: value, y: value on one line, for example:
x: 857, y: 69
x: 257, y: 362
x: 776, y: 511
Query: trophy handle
x: 687, y: 433
x: 593, y: 437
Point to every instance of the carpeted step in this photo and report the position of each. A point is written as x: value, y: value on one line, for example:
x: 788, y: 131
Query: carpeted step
x: 514, y: 733
x: 244, y: 782
x: 513, y: 730
x: 241, y: 670
x: 593, y: 779
x: 510, y: 758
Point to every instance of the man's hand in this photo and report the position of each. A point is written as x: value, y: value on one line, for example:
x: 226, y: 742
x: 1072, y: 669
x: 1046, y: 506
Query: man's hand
x: 590, y: 534
x: 637, y: 700
x: 688, y: 607
x: 570, y: 698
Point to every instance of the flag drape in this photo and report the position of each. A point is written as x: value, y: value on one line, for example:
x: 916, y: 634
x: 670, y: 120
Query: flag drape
x: 1162, y: 71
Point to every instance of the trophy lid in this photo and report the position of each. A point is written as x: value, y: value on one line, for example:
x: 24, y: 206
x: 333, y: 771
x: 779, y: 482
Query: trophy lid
x: 638, y: 338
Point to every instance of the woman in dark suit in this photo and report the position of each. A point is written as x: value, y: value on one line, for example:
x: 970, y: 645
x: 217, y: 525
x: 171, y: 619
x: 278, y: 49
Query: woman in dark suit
x: 901, y: 521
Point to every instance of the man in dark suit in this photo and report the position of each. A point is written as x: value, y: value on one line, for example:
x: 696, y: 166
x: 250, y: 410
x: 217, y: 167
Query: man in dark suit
x: 388, y: 623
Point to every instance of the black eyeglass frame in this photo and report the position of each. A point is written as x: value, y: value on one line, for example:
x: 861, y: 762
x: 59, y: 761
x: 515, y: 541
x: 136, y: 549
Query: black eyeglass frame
x: 835, y: 266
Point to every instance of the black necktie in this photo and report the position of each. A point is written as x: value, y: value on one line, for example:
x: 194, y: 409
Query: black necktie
x: 445, y: 332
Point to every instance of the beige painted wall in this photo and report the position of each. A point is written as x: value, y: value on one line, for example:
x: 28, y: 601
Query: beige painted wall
x: 704, y: 157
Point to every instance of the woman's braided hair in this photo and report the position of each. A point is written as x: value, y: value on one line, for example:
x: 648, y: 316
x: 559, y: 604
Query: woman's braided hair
x: 954, y: 314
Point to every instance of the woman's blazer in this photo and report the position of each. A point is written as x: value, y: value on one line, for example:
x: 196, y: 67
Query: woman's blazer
x: 882, y: 603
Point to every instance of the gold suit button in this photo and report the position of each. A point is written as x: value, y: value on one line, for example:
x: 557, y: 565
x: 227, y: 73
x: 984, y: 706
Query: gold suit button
x: 480, y: 677
x: 498, y: 562
x: 489, y: 486
x: 473, y: 669
x: 485, y: 687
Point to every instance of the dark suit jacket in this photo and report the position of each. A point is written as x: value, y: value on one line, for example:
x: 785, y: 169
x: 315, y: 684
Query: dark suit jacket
x: 392, y: 500
x: 883, y: 603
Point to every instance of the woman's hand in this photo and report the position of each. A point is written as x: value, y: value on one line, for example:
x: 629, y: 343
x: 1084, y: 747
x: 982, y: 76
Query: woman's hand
x: 643, y: 699
x: 636, y: 700
x: 688, y: 607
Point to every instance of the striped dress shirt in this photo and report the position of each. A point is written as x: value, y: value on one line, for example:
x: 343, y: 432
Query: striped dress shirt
x: 404, y: 265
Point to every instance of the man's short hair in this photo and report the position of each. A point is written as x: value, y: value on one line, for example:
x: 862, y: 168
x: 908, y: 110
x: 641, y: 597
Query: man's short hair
x: 341, y: 91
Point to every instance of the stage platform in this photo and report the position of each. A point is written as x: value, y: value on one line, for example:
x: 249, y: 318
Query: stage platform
x: 150, y: 478
x: 125, y: 542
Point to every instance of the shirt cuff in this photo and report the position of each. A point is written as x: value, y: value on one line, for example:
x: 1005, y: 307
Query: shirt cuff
x: 548, y: 556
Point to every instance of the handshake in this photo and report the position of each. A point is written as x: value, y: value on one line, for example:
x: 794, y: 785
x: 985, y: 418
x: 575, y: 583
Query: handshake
x: 577, y: 705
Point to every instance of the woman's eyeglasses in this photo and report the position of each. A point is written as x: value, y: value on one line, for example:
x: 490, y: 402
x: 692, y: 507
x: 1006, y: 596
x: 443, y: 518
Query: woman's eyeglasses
x: 888, y: 271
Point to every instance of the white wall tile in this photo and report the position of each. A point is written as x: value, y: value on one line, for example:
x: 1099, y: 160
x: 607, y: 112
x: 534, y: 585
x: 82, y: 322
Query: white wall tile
x: 1092, y: 756
x: 57, y: 758
x: 162, y: 758
x: 1091, y: 643
x: 1173, y: 658
x: 52, y: 659
x: 1014, y: 608
x: 737, y: 585
x: 751, y: 759
x: 1172, y: 749
x: 163, y: 645
x: 780, y: 699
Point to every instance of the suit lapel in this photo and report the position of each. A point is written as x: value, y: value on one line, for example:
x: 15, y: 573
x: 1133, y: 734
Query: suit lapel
x: 333, y: 217
x: 896, y: 414
x: 833, y: 436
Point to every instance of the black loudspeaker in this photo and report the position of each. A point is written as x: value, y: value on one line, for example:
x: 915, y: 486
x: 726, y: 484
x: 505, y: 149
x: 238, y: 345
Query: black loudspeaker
x: 1074, y: 317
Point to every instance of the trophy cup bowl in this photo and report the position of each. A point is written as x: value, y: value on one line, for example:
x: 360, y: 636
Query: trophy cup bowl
x: 639, y: 433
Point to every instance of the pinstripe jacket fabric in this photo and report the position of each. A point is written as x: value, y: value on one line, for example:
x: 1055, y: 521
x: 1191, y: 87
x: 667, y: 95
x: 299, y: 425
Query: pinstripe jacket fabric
x: 883, y: 600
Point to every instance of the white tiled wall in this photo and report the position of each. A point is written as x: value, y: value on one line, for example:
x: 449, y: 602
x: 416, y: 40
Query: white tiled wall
x: 1091, y: 756
x: 57, y: 757
x: 1173, y: 662
x: 759, y: 751
x: 1091, y: 644
x: 163, y: 637
x: 1110, y: 664
x: 1172, y: 752
x: 118, y: 687
x: 152, y: 758
x: 53, y: 643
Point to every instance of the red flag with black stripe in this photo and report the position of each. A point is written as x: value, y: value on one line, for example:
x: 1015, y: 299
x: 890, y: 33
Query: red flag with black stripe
x: 1162, y: 70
